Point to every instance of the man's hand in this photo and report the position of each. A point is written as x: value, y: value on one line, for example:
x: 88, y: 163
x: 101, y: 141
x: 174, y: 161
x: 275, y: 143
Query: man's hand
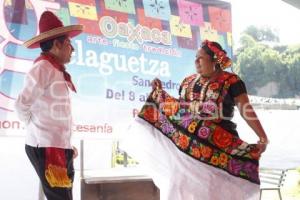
x: 75, y: 154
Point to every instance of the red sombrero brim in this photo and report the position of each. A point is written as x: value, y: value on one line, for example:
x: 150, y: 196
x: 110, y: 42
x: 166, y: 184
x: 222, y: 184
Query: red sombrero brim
x: 71, y: 31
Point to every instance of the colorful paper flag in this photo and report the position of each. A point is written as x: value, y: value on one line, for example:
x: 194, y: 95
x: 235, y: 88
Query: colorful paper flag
x: 118, y: 16
x: 85, y: 2
x: 159, y: 9
x: 188, y: 43
x: 83, y: 11
x: 220, y: 19
x: 208, y: 33
x: 190, y: 13
x: 126, y: 6
x: 179, y: 29
x: 90, y: 26
x: 148, y: 21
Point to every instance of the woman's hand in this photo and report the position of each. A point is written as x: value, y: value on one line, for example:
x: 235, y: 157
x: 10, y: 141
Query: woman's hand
x: 262, y: 144
x: 249, y: 115
x: 156, y: 84
x: 261, y: 148
x: 157, y: 89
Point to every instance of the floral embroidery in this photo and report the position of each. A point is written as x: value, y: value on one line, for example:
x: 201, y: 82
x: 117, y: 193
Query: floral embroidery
x: 203, y: 132
x: 167, y: 128
x: 163, y: 118
x: 183, y: 141
x: 209, y: 107
x: 192, y: 127
x: 233, y: 79
x: 222, y: 138
x: 170, y: 106
x: 185, y: 85
x: 235, y: 166
x: 175, y: 137
x: 255, y: 153
x: 214, y: 160
x: 211, y: 144
x: 223, y: 159
x: 236, y: 142
x: 212, y: 95
x: 186, y: 120
x: 151, y: 114
x: 206, y: 151
x: 214, y: 86
x: 251, y: 170
x: 196, y: 152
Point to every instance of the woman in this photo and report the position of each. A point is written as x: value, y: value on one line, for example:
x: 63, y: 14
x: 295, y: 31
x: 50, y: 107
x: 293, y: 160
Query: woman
x: 190, y: 147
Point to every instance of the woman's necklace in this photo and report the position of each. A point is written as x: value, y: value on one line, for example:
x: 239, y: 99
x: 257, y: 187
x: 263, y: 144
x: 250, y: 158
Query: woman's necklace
x: 191, y: 87
x: 203, y: 92
x: 195, y: 105
x: 204, y: 82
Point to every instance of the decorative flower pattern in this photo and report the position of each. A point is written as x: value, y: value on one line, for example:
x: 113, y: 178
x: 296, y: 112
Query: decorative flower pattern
x: 170, y: 106
x: 206, y: 151
x: 196, y: 152
x: 167, y: 128
x: 210, y: 94
x: 186, y: 120
x: 209, y: 107
x: 223, y: 159
x: 183, y: 141
x: 222, y: 138
x: 192, y: 127
x: 151, y: 114
x: 214, y: 86
x: 214, y: 160
x: 203, y: 132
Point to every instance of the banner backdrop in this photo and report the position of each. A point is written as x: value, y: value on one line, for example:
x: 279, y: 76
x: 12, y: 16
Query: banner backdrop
x: 125, y: 45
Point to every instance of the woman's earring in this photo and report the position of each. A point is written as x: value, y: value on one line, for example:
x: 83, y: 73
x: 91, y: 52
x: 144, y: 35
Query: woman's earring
x: 215, y: 67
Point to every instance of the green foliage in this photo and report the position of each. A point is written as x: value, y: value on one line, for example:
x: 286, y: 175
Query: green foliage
x: 262, y: 66
x: 262, y: 34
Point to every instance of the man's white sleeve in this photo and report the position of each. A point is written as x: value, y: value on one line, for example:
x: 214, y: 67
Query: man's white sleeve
x: 36, y: 81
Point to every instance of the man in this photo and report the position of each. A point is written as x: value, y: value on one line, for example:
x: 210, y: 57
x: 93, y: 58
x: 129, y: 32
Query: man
x: 44, y: 106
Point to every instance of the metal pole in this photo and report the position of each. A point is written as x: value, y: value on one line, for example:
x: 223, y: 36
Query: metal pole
x: 82, y: 186
x: 41, y: 192
x: 81, y: 159
x: 125, y: 159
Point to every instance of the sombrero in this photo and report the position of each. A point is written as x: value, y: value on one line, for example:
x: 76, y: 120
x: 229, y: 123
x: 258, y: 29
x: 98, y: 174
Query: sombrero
x: 50, y: 27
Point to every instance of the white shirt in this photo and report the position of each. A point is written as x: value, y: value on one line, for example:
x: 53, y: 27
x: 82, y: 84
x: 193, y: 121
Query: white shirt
x: 44, y: 106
